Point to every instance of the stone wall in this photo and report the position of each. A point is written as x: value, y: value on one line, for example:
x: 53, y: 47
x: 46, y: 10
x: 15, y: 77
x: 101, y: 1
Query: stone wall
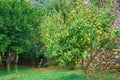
x: 117, y: 14
x: 106, y: 60
x: 109, y: 59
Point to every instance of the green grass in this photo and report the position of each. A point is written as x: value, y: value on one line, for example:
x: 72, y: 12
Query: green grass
x: 33, y: 74
x: 47, y: 74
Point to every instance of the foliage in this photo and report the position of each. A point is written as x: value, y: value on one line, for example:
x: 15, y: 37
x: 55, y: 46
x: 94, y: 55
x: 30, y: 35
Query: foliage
x: 117, y: 38
x: 86, y: 28
x: 50, y: 33
x: 117, y: 33
x: 54, y: 25
x: 19, y: 25
x: 63, y: 7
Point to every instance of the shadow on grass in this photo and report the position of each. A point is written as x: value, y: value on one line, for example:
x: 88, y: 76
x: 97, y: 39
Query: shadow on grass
x: 4, y: 72
x: 73, y: 76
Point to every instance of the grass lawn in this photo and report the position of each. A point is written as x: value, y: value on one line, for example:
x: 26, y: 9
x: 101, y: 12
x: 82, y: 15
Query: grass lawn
x: 53, y: 74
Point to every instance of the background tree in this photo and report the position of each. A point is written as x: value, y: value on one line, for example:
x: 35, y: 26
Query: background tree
x: 19, y: 27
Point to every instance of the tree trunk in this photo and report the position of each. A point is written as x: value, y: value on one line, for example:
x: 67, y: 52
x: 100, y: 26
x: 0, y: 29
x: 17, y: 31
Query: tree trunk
x: 85, y: 69
x: 33, y: 62
x: 8, y: 62
x: 86, y: 64
x: 16, y: 61
x: 86, y: 74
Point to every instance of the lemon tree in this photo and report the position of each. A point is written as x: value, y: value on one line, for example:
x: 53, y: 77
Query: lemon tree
x: 86, y: 28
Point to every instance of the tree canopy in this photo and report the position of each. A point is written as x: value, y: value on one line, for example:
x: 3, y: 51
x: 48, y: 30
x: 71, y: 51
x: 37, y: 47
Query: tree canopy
x: 19, y: 25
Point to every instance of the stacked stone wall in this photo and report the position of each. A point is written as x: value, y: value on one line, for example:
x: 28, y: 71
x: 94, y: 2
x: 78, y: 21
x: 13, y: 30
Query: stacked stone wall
x: 106, y: 60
